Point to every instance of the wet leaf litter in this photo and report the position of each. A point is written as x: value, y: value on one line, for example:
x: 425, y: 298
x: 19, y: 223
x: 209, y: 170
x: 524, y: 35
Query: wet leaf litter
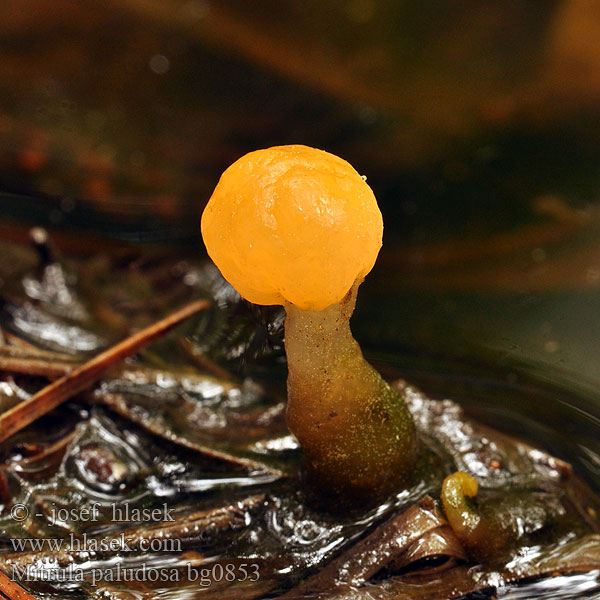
x: 177, y: 425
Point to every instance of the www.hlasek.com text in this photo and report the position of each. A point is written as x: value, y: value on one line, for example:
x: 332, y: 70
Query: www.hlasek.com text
x: 83, y: 543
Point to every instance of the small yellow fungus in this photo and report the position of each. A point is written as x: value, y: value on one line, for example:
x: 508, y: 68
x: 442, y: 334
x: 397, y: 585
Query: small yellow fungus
x: 292, y: 224
x: 297, y: 226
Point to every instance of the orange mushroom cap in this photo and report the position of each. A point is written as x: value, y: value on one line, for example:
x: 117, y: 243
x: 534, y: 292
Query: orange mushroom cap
x: 292, y: 224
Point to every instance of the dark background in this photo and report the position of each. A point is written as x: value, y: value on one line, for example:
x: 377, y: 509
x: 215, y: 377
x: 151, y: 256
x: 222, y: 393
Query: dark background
x: 476, y: 122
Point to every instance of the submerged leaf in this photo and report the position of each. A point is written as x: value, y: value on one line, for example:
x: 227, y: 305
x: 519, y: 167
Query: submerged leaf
x: 175, y: 426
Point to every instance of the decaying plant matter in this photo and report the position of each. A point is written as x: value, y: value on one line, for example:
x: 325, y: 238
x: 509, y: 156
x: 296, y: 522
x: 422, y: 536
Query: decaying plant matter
x: 216, y: 447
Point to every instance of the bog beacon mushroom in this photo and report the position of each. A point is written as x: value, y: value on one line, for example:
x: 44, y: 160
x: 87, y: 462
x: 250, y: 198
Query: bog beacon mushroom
x: 297, y: 226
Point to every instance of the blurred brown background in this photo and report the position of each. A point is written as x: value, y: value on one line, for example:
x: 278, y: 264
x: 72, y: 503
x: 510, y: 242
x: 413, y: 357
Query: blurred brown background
x: 476, y: 122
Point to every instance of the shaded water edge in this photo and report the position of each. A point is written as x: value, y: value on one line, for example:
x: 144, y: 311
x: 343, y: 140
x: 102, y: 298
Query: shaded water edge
x: 215, y: 446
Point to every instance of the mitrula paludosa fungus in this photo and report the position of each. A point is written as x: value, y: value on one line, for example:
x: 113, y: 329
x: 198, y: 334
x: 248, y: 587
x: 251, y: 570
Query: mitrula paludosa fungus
x: 297, y: 226
x: 470, y: 526
x: 492, y: 529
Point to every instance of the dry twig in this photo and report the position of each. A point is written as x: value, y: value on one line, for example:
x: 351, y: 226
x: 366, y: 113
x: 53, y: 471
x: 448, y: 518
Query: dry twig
x: 12, y: 590
x: 83, y: 377
x: 17, y: 359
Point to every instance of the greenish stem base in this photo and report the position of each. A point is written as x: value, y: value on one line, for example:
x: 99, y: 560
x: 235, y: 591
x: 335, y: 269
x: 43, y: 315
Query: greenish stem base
x: 356, y: 432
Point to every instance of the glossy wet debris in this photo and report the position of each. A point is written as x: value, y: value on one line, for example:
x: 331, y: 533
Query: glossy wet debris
x: 193, y: 429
